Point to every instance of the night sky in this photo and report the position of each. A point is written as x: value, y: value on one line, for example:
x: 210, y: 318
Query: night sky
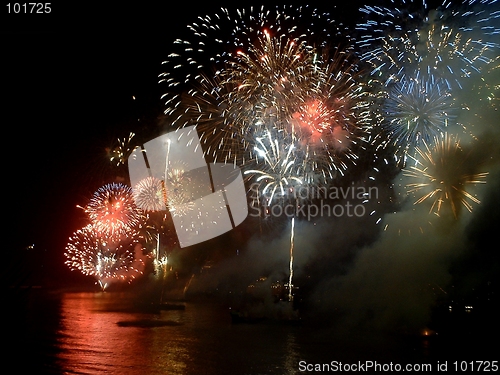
x: 75, y: 81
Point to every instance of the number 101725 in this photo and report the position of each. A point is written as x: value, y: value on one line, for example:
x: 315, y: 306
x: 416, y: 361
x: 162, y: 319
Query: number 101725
x: 28, y: 8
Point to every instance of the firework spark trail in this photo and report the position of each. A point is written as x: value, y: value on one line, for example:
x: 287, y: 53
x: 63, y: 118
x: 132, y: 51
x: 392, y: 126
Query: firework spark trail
x: 156, y: 195
x: 442, y: 174
x: 279, y: 174
x: 175, y: 180
x: 290, y: 277
x: 120, y: 153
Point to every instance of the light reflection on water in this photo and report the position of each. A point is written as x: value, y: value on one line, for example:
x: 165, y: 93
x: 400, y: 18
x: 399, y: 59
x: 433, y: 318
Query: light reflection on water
x: 78, y: 333
x: 203, y: 340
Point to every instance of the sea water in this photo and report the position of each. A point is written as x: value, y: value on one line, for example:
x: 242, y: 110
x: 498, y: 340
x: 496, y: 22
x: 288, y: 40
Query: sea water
x: 98, y: 333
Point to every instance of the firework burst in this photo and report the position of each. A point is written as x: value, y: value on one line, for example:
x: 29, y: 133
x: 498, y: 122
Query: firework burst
x: 442, y: 175
x: 179, y: 199
x: 330, y: 123
x: 451, y: 42
x: 276, y: 171
x: 216, y: 39
x: 149, y: 194
x: 416, y: 70
x: 112, y: 211
x: 271, y: 80
x: 268, y: 75
x: 416, y: 110
x: 94, y: 255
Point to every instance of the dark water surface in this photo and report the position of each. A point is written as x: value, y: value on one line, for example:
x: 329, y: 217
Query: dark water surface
x: 92, y: 333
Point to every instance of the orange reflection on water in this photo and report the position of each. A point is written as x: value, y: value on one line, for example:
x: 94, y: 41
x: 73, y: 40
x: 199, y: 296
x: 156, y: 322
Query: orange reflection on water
x: 198, y: 340
x: 93, y: 343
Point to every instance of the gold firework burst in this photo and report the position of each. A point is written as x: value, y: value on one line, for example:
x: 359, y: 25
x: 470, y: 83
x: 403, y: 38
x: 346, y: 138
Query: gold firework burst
x: 442, y: 175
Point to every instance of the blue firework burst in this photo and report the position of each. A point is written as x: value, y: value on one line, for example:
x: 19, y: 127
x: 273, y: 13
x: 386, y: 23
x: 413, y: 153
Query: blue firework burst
x: 416, y: 109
